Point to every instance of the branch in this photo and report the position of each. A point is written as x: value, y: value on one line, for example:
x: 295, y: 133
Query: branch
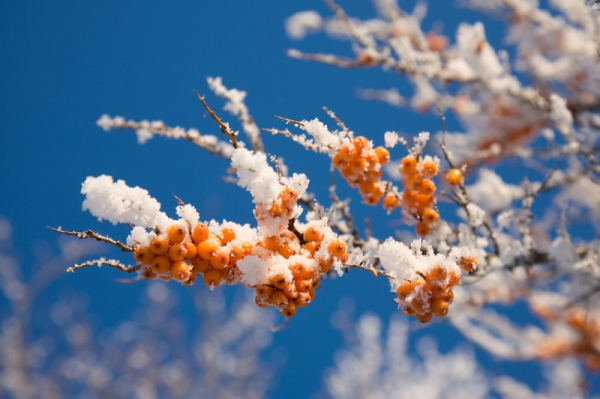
x: 224, y: 127
x: 109, y: 262
x: 91, y: 234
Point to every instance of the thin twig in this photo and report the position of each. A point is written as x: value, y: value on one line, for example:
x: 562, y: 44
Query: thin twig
x: 108, y: 262
x: 91, y: 234
x: 224, y: 127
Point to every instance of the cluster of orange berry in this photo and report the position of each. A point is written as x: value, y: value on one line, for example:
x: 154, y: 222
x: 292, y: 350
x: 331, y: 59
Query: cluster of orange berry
x: 313, y: 259
x: 418, y: 196
x: 360, y: 164
x: 175, y: 256
x: 588, y: 332
x: 429, y: 295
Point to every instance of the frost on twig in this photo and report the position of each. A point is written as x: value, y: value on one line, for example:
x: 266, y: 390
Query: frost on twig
x: 91, y: 234
x: 145, y: 130
x: 108, y: 262
x: 225, y: 129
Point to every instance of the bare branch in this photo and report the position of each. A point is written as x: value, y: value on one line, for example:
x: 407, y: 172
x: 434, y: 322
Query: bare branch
x: 224, y: 127
x: 108, y: 262
x: 91, y: 234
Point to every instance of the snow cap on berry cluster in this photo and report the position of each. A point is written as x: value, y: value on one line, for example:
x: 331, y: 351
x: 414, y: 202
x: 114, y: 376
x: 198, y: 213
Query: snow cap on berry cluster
x: 325, y: 141
x: 404, y: 262
x: 256, y: 176
x: 119, y: 203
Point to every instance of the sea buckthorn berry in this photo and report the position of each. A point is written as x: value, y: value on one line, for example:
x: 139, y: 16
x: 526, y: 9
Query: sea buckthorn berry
x: 261, y: 302
x: 360, y: 143
x: 228, y: 234
x: 408, y: 165
x: 144, y: 256
x: 303, y: 285
x: 337, y: 248
x: 192, y: 279
x: 290, y: 310
x: 235, y: 254
x: 148, y: 273
x: 438, y: 273
x: 325, y: 264
x: 427, y: 187
x: 413, y: 182
x: 200, y: 233
x: 469, y: 263
x: 454, y: 177
x: 344, y: 258
x: 176, y: 234
x: 290, y: 290
x: 423, y: 201
x: 200, y: 265
x: 429, y: 215
x: 407, y: 310
x: 429, y: 169
x: 312, y: 247
x: 177, y: 252
x: 347, y: 152
x: 302, y: 299
x: 161, y: 264
x: 180, y: 270
x: 212, y: 277
x: 313, y: 234
x: 159, y: 245
x: 437, y: 289
x: 220, y: 259
x: 439, y: 307
x: 419, y: 304
x: 264, y: 291
x: 298, y: 270
x: 207, y: 249
x: 383, y: 155
x: 248, y: 248
x: 286, y: 251
x: 312, y: 293
x: 424, y: 317
x: 422, y: 229
x: 337, y: 160
x: 278, y: 281
x: 278, y: 299
x: 448, y: 296
x: 454, y: 278
x: 404, y: 290
x: 165, y: 277
x: 390, y: 202
x: 191, y: 249
x: 316, y: 282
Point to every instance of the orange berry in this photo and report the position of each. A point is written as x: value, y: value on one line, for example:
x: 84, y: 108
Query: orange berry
x: 390, y: 202
x: 429, y: 215
x: 312, y: 247
x: 207, y: 249
x: 424, y: 317
x: 427, y: 187
x: 261, y: 302
x: 302, y: 299
x: 313, y: 234
x: 191, y: 249
x: 423, y: 201
x: 248, y: 248
x: 404, y: 290
x: 347, y: 152
x: 212, y: 277
x: 413, y: 182
x: 422, y: 229
x: 410, y: 198
x: 176, y: 234
x: 228, y: 234
x: 148, y: 274
x: 290, y: 310
x: 278, y: 281
x: 264, y: 291
x: 235, y: 254
x: 303, y: 285
x: 337, y: 248
x: 454, y: 278
x: 159, y: 245
x: 418, y: 303
x: 180, y: 270
x: 192, y: 279
x: 177, y: 252
x: 220, y: 259
x: 165, y: 277
x: 429, y: 169
x: 286, y: 251
x: 299, y: 271
x: 161, y: 264
x: 407, y: 310
x: 469, y: 263
x: 316, y: 282
x: 360, y: 143
x: 383, y: 155
x: 278, y: 299
x: 439, y: 307
x: 290, y: 290
x: 438, y: 273
x: 312, y: 293
x: 337, y: 160
x: 454, y: 177
x: 200, y: 265
x: 448, y: 296
x: 408, y: 165
x: 325, y: 264
x: 200, y: 233
x: 144, y: 256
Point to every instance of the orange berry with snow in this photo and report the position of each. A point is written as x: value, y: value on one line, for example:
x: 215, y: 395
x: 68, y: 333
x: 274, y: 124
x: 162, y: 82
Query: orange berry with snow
x: 422, y: 229
x: 159, y: 245
x: 176, y: 234
x: 454, y: 177
x: 429, y: 215
x: 181, y: 271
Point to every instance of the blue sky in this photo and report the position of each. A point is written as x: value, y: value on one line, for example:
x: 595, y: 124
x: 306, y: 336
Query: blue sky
x: 65, y: 63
